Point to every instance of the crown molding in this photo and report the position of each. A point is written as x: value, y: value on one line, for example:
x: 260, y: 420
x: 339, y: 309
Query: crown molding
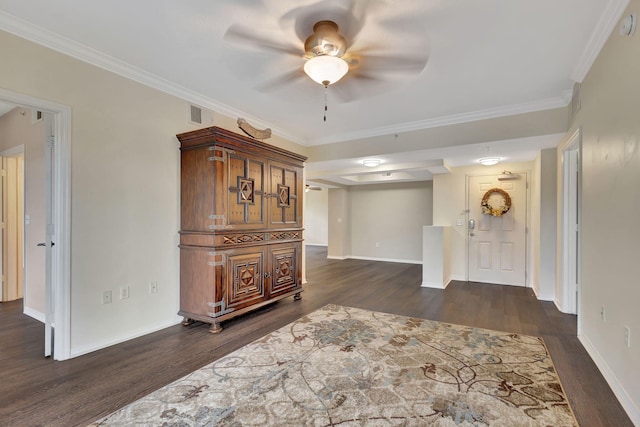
x: 492, y: 113
x: 608, y: 21
x: 54, y: 41
x: 21, y: 28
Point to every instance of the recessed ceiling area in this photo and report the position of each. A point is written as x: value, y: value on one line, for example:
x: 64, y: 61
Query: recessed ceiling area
x: 421, y: 165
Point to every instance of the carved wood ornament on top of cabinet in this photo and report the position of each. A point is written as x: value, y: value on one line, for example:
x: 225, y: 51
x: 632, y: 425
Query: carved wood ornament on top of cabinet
x: 240, y: 225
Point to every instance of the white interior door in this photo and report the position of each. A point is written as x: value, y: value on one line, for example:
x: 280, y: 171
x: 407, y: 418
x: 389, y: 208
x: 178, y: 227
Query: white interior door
x: 497, y: 244
x: 48, y: 243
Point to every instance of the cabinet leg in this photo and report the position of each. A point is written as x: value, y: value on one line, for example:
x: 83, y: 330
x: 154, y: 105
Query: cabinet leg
x: 186, y: 321
x: 297, y: 297
x: 215, y: 328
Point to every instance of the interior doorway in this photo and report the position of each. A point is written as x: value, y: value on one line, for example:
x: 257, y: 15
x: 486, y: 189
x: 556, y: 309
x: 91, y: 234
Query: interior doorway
x: 569, y: 269
x: 12, y: 219
x: 497, y: 227
x: 57, y: 142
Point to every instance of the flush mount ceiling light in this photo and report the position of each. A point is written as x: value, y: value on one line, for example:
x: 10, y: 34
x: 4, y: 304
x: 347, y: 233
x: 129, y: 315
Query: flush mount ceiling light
x: 371, y: 163
x: 326, y: 69
x: 489, y: 161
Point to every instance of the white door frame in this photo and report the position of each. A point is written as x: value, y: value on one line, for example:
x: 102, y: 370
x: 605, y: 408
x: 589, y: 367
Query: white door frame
x: 61, y: 259
x: 569, y: 260
x: 527, y: 174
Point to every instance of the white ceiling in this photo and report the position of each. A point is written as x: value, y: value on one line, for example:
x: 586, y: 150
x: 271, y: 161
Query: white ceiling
x: 483, y: 58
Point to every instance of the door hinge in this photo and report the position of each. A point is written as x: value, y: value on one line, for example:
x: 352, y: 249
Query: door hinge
x: 220, y: 263
x: 222, y: 306
x: 223, y: 222
x: 219, y: 158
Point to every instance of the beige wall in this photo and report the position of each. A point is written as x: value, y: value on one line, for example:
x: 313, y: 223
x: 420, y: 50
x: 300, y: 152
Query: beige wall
x: 546, y: 187
x: 387, y: 220
x: 124, y: 189
x: 339, y: 226
x: 543, y: 227
x: 379, y: 222
x: 316, y: 217
x: 17, y: 128
x: 524, y: 125
x: 610, y: 271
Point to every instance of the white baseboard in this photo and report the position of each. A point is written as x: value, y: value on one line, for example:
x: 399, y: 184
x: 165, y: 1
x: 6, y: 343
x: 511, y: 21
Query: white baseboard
x: 79, y: 351
x: 316, y: 244
x: 34, y: 313
x: 402, y: 261
x: 435, y: 285
x: 457, y: 278
x: 630, y: 407
x: 366, y: 258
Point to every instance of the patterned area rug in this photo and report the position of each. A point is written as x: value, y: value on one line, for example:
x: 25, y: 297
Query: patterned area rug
x: 341, y: 366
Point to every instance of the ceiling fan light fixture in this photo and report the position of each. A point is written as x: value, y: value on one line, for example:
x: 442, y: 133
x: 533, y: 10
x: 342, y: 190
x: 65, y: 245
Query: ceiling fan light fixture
x: 489, y: 161
x: 325, y: 40
x: 326, y: 70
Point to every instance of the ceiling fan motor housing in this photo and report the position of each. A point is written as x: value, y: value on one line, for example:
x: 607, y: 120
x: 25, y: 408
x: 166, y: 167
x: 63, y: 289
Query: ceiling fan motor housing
x: 325, y: 40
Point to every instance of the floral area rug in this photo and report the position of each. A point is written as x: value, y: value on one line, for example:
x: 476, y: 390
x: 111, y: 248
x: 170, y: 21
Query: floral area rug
x: 341, y: 366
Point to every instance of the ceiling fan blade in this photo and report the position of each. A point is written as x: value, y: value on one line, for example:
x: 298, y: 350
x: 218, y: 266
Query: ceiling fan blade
x: 281, y: 81
x: 393, y: 63
x: 355, y: 86
x: 248, y: 37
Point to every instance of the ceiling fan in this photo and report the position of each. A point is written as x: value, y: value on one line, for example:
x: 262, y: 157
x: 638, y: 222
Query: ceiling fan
x: 328, y: 56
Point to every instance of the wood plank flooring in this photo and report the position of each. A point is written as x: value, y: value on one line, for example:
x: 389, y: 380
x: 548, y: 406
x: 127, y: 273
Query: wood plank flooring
x: 35, y: 391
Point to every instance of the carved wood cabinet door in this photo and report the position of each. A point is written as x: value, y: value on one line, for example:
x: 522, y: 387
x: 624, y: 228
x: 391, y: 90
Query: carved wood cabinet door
x: 245, y: 277
x: 245, y: 193
x: 285, y: 209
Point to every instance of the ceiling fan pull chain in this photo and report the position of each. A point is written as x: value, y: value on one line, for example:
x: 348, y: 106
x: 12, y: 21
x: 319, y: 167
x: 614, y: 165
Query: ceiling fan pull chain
x: 326, y: 88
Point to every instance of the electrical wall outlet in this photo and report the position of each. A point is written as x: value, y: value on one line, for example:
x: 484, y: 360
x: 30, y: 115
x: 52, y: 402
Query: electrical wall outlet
x: 153, y: 287
x: 107, y: 297
x: 124, y: 292
x: 627, y: 336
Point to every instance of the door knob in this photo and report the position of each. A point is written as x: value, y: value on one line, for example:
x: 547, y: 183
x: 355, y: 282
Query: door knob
x: 44, y: 244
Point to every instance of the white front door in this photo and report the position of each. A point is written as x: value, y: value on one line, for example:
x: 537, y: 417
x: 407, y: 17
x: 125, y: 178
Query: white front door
x: 497, y: 243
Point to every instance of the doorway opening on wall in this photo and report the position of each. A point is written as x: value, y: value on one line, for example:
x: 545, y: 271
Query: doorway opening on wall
x: 497, y: 242
x: 12, y: 214
x: 57, y: 143
x: 570, y: 259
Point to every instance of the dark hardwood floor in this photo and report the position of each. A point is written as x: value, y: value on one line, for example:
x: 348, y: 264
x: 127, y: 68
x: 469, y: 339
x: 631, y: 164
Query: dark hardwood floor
x: 35, y: 391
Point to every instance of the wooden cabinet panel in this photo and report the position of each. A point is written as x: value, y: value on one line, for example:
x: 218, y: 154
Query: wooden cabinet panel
x: 241, y: 225
x: 284, y: 261
x: 286, y: 195
x: 245, y: 192
x: 245, y: 278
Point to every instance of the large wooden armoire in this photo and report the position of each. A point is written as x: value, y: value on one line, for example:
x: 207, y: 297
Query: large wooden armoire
x: 240, y: 225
